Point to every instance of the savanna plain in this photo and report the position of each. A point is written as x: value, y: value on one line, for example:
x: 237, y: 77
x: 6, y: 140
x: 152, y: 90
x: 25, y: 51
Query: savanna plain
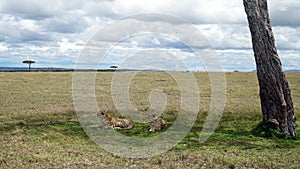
x: 39, y: 127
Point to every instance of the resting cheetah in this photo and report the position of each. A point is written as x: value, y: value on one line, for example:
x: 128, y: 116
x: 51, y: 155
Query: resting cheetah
x: 157, y: 124
x: 116, y: 123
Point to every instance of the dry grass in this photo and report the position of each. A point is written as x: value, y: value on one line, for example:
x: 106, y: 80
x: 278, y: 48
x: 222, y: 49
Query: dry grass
x: 39, y: 127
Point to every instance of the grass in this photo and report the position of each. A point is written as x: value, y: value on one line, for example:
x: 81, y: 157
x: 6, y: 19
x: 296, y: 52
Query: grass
x: 39, y: 127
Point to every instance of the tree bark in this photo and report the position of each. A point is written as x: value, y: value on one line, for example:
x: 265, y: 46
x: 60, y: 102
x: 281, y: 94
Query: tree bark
x: 275, y: 95
x: 29, y: 66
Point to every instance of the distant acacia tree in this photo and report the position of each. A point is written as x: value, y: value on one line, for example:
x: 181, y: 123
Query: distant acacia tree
x: 276, y: 101
x: 29, y: 62
x: 113, y: 67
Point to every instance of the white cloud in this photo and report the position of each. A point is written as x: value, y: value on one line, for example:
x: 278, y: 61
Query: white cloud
x: 54, y: 31
x: 30, y: 9
x: 233, y: 59
x: 16, y: 29
x: 283, y: 12
x: 287, y: 37
x: 213, y: 11
x: 29, y: 25
x: 290, y: 59
x: 65, y: 45
x: 3, y: 47
x: 223, y: 36
x: 65, y: 24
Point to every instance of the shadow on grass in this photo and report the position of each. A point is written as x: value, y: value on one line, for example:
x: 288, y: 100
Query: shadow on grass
x: 263, y: 130
x: 239, y: 135
x: 242, y: 135
x: 65, y: 123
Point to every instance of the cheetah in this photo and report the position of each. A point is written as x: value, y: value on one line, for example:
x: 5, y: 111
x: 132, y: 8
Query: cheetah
x: 115, y: 123
x: 157, y: 124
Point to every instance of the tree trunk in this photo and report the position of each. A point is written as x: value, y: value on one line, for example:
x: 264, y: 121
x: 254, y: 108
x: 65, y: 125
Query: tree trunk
x: 276, y: 101
x: 29, y: 66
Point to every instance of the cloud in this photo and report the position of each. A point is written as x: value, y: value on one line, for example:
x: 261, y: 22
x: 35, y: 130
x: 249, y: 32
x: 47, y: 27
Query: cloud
x: 65, y: 45
x: 104, y: 8
x: 64, y: 24
x: 40, y: 10
x: 290, y: 59
x: 233, y: 59
x: 287, y: 37
x: 30, y: 9
x: 16, y: 30
x: 3, y: 47
x: 284, y: 13
x: 224, y: 36
x: 219, y: 11
x: 197, y: 12
x: 53, y: 32
x: 237, y: 36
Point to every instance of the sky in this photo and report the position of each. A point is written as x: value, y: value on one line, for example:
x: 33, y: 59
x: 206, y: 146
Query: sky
x: 55, y: 32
